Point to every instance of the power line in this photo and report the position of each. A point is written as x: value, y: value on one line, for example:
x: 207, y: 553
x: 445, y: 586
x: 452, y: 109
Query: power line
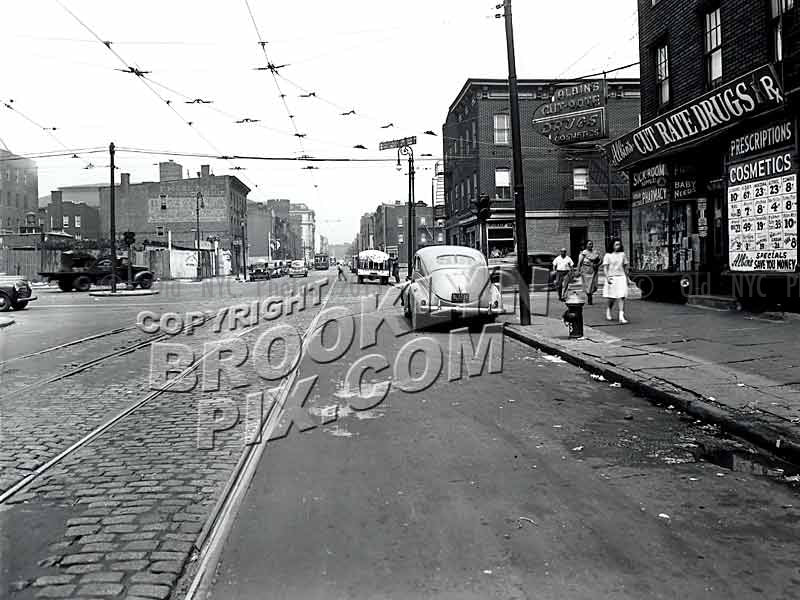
x: 135, y: 71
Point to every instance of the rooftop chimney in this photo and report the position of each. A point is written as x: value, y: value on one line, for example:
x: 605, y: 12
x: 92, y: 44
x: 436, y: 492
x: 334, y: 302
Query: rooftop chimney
x: 205, y: 170
x: 169, y: 171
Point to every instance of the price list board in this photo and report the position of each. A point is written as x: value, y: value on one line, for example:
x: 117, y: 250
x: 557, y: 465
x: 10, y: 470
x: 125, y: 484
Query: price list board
x: 762, y: 223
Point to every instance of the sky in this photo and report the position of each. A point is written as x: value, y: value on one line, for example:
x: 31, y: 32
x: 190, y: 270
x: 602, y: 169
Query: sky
x: 399, y: 63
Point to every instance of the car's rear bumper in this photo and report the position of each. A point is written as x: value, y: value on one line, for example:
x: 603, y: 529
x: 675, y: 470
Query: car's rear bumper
x: 28, y: 299
x: 449, y: 311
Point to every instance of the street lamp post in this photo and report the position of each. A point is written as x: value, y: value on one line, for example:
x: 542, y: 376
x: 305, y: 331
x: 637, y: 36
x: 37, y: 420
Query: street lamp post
x: 197, y: 206
x: 244, y: 255
x: 407, y: 150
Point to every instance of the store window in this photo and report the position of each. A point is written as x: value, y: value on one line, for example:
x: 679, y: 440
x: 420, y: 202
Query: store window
x: 502, y: 183
x: 502, y: 129
x: 580, y: 183
x: 778, y: 9
x: 662, y: 74
x: 713, y: 47
x: 650, y: 237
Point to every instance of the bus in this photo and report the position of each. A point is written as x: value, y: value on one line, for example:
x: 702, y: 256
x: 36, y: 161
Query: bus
x: 321, y: 262
x: 373, y: 264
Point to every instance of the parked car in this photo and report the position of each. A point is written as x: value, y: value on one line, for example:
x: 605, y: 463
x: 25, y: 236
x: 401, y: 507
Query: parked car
x: 79, y: 271
x: 450, y: 283
x: 15, y: 292
x: 298, y: 268
x: 260, y: 271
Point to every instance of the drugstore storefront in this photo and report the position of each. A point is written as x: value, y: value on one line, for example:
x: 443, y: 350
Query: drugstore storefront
x: 713, y: 196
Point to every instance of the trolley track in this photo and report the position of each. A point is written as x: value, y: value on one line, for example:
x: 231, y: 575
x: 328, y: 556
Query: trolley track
x: 112, y: 421
x: 89, y: 338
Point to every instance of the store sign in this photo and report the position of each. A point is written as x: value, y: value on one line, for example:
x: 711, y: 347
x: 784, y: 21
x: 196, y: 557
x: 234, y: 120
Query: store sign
x: 684, y: 183
x: 762, y: 213
x: 649, y: 185
x: 761, y: 140
x: 576, y: 113
x: 751, y: 94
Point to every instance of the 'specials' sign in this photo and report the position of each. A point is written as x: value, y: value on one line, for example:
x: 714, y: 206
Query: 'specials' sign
x: 576, y: 114
x: 711, y: 113
x: 762, y: 212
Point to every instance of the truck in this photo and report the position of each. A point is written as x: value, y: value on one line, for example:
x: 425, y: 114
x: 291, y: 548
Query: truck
x: 80, y: 271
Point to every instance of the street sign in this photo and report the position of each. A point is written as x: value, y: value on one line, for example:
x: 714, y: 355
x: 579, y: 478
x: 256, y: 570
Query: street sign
x: 406, y: 141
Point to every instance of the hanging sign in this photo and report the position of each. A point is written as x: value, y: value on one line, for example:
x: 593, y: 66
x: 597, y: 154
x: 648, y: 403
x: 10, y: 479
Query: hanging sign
x: 576, y: 113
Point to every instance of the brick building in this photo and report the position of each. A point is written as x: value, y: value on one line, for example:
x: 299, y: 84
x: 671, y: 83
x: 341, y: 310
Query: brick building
x: 390, y: 228
x: 167, y: 208
x: 77, y: 219
x: 566, y: 187
x: 259, y: 228
x: 713, y: 166
x: 19, y: 192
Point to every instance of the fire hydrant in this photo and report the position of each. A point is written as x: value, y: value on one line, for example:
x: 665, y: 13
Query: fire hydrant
x: 573, y: 316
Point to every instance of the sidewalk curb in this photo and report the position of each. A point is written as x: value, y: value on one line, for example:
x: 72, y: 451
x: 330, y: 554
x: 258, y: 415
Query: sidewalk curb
x: 773, y: 437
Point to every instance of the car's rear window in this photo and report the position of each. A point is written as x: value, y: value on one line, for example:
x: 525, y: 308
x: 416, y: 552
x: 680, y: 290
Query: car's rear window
x: 297, y: 264
x: 455, y: 259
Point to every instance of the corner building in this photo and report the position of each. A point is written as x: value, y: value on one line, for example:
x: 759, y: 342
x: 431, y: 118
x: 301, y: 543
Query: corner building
x: 713, y: 167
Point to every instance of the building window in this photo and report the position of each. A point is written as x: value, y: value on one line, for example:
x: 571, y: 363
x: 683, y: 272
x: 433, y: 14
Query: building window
x: 502, y: 129
x: 662, y: 74
x: 460, y: 145
x: 475, y: 134
x: 580, y: 183
x: 475, y: 183
x: 77, y: 221
x: 468, y: 145
x: 440, y: 237
x: 399, y: 221
x: 163, y: 201
x: 502, y: 183
x: 66, y: 221
x: 24, y: 178
x: 51, y: 222
x: 423, y: 239
x: 16, y: 176
x: 779, y: 7
x: 422, y: 221
x: 713, y: 47
x: 469, y: 188
x: 400, y: 238
x: 160, y: 231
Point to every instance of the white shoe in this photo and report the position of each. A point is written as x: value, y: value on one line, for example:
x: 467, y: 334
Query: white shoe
x: 622, y: 319
x: 608, y: 315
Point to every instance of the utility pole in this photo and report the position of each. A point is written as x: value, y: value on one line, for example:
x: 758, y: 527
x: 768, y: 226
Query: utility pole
x: 610, y: 234
x: 198, y: 204
x: 113, y: 228
x: 519, y: 181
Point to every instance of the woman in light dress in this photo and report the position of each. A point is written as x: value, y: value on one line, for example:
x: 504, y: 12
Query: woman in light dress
x: 589, y: 267
x: 615, y: 267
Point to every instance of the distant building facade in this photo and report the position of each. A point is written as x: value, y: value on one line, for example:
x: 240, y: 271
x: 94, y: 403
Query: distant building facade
x: 77, y: 219
x: 19, y: 192
x: 391, y: 227
x: 303, y: 225
x: 166, y: 209
x: 259, y: 227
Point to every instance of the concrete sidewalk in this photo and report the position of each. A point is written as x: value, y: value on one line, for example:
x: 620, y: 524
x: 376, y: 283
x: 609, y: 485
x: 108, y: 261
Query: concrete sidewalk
x: 738, y: 370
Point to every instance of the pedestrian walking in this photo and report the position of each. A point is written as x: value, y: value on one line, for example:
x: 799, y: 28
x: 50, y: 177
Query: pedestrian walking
x: 341, y: 276
x: 615, y: 266
x: 396, y: 271
x: 589, y: 268
x: 563, y: 265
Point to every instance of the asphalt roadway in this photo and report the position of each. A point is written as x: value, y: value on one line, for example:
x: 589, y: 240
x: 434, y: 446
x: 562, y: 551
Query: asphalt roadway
x: 536, y: 482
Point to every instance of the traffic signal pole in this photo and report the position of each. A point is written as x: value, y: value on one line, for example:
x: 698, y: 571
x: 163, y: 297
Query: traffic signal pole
x: 519, y: 181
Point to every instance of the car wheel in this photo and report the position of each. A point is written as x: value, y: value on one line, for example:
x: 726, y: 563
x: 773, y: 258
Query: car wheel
x: 20, y: 305
x: 82, y: 283
x: 146, y: 283
x: 65, y: 286
x: 5, y: 303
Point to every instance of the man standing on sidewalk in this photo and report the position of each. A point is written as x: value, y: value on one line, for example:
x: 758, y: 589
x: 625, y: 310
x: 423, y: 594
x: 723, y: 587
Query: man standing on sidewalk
x: 341, y: 276
x: 562, y: 265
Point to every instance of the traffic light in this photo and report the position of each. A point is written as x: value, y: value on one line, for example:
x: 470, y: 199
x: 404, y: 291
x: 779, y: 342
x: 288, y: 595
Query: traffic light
x: 129, y: 237
x: 484, y: 208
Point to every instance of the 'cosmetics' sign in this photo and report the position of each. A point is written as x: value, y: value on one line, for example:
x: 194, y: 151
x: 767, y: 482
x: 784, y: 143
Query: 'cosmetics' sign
x: 745, y: 96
